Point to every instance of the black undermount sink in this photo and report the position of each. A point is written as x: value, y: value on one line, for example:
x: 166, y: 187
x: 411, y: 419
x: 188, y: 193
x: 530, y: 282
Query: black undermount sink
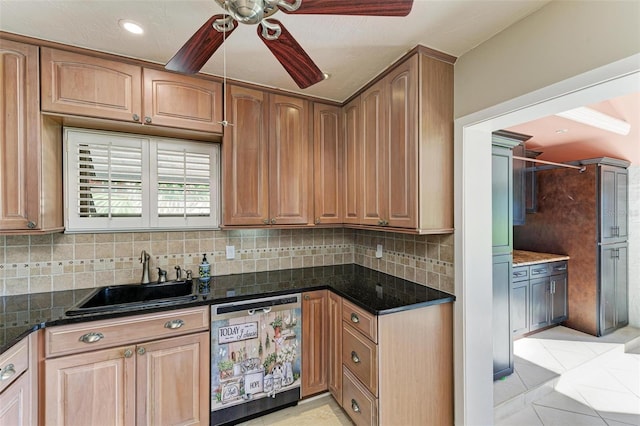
x: 119, y: 297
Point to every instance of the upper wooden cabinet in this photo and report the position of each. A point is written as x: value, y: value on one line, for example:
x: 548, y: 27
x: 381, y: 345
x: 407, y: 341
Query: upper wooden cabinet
x: 82, y: 85
x: 267, y: 159
x: 403, y: 163
x: 31, y: 158
x: 328, y: 155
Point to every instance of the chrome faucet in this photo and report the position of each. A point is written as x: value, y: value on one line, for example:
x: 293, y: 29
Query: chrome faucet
x: 144, y: 259
x: 178, y: 273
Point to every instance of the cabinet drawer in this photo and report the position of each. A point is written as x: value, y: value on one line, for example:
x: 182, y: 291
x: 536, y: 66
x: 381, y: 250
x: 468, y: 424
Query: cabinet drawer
x: 558, y: 267
x: 520, y: 273
x: 359, y: 404
x: 94, y: 335
x: 359, y: 354
x: 539, y: 270
x: 13, y: 363
x: 361, y: 320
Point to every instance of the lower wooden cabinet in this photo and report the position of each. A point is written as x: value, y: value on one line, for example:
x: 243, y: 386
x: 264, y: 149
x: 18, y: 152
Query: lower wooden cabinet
x: 406, y: 378
x: 157, y: 382
x: 18, y: 384
x: 314, y: 342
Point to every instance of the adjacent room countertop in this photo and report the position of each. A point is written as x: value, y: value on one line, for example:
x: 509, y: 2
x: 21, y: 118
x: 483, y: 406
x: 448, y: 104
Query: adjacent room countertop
x: 524, y: 258
x: 374, y: 291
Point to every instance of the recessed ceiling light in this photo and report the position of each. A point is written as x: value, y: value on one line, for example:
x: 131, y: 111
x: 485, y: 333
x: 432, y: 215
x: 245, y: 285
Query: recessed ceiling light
x: 561, y: 131
x: 326, y: 75
x: 597, y: 119
x: 132, y: 27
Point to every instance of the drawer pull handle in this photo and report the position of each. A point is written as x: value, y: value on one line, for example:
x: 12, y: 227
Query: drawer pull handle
x: 7, y: 372
x: 91, y: 337
x: 560, y: 268
x: 128, y: 353
x: 354, y: 406
x: 173, y: 324
x: 355, y: 318
x: 354, y: 357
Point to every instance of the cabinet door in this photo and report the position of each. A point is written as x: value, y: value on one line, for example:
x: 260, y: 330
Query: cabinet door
x: 335, y: 346
x: 519, y: 186
x: 290, y: 161
x: 84, y: 85
x: 622, y: 286
x: 614, y: 204
x: 520, y: 307
x: 502, y: 336
x: 401, y: 156
x: 15, y: 403
x: 93, y: 388
x: 327, y: 163
x: 539, y: 309
x: 181, y: 101
x: 501, y: 200
x: 372, y: 188
x: 314, y: 342
x: 353, y: 153
x: 614, y: 311
x: 19, y: 137
x: 558, y: 303
x: 173, y: 381
x: 245, y: 154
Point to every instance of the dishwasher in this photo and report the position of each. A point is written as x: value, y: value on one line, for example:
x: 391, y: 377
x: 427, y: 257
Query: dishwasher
x: 255, y: 357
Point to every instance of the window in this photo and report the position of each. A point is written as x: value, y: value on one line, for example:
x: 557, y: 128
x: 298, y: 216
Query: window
x: 128, y: 182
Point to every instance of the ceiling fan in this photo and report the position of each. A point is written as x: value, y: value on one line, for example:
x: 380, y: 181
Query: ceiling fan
x: 206, y: 40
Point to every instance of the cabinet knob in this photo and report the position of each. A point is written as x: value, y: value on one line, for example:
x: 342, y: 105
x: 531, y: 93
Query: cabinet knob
x: 380, y: 222
x: 91, y: 337
x: 173, y: 324
x: 136, y: 117
x: 273, y: 221
x: 147, y: 120
x: 141, y: 351
x: 7, y: 372
x: 317, y: 221
x: 354, y: 357
x: 31, y: 224
x: 128, y: 353
x: 306, y: 297
x: 266, y: 221
x: 355, y: 318
x: 354, y: 406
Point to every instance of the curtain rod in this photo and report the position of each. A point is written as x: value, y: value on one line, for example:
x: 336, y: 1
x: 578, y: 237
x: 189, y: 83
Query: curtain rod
x: 533, y: 160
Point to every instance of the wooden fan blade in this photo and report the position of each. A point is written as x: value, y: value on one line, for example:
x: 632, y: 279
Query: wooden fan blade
x: 199, y: 48
x: 292, y: 57
x: 354, y: 7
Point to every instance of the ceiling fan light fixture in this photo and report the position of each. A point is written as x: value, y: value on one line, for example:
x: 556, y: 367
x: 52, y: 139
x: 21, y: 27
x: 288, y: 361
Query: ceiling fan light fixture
x: 131, y: 26
x: 597, y: 119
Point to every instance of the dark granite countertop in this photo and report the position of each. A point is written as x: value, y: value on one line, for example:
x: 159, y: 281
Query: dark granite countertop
x: 374, y: 291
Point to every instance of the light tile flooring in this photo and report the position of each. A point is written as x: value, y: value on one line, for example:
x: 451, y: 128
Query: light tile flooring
x: 564, y: 377
x: 317, y: 411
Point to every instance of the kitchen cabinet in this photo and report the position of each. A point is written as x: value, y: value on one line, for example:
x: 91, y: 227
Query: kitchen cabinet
x: 334, y: 315
x: 31, y: 159
x: 88, y: 86
x: 376, y: 372
x: 406, y: 152
x: 582, y: 213
x: 315, y: 342
x: 267, y: 158
x: 502, y: 244
x: 539, y: 296
x: 352, y: 161
x: 108, y: 372
x: 19, y: 384
x: 614, y: 308
x: 328, y: 153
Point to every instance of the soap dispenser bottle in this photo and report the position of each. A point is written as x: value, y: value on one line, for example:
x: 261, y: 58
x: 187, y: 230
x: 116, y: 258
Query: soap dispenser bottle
x: 204, y: 269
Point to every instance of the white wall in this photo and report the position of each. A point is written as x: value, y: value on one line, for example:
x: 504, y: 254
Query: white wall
x: 634, y: 246
x: 565, y: 55
x: 559, y: 41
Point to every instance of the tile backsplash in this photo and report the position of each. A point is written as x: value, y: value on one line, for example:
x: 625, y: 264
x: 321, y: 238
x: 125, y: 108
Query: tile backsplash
x: 42, y: 263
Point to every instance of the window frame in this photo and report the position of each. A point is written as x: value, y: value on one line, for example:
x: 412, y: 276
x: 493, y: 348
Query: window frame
x: 149, y: 219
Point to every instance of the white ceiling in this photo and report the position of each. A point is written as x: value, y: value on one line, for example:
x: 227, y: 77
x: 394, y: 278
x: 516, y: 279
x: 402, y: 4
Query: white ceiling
x: 352, y: 49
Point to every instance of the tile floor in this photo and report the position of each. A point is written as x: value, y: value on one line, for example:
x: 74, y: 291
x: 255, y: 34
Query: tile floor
x: 564, y: 377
